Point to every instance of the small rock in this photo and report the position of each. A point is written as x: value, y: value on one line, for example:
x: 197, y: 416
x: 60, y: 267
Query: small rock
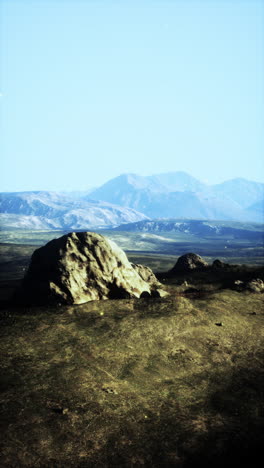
x: 239, y: 285
x: 189, y: 262
x: 109, y: 390
x: 255, y: 285
x: 219, y: 324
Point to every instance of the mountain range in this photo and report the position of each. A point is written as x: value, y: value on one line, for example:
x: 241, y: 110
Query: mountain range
x: 51, y: 210
x: 177, y: 194
x: 130, y: 198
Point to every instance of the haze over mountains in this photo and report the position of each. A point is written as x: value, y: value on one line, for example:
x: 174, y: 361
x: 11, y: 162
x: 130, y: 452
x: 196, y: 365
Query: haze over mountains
x: 177, y: 194
x: 130, y: 198
x: 51, y: 210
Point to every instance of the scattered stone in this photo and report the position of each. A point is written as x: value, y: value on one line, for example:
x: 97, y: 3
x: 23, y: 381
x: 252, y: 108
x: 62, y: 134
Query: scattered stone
x: 239, y: 285
x: 255, y: 285
x: 189, y: 262
x: 81, y: 267
x: 109, y: 390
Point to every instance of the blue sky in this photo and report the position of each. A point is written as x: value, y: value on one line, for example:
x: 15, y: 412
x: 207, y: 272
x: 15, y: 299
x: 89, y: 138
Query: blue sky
x: 93, y: 89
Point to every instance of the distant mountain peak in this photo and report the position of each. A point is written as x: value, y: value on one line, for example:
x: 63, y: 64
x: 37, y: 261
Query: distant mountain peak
x: 130, y: 197
x: 178, y: 194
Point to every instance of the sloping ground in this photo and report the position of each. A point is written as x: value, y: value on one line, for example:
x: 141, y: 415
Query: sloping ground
x: 159, y: 382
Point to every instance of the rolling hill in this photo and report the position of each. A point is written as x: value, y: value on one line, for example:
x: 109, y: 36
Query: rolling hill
x: 199, y: 228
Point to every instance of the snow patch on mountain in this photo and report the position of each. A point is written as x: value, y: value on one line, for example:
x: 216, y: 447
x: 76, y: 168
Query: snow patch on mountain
x: 49, y: 210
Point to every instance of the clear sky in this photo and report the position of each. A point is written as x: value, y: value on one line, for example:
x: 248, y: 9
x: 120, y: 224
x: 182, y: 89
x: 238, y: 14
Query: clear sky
x: 93, y: 89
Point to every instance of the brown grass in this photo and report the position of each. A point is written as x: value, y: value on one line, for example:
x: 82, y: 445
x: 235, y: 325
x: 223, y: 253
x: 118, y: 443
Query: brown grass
x: 133, y: 382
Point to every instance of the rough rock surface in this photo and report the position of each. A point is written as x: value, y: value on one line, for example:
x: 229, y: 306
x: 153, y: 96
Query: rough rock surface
x: 148, y: 276
x: 84, y: 266
x: 254, y: 285
x: 189, y: 262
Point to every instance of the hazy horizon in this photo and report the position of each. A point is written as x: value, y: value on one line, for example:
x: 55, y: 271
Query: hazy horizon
x: 92, y: 90
x: 93, y: 187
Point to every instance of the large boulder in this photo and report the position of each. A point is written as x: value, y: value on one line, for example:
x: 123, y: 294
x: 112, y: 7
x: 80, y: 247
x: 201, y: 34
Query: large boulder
x: 81, y: 267
x: 189, y: 262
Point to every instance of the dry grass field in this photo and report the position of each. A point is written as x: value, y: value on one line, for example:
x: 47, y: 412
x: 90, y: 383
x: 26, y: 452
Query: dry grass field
x: 172, y: 382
